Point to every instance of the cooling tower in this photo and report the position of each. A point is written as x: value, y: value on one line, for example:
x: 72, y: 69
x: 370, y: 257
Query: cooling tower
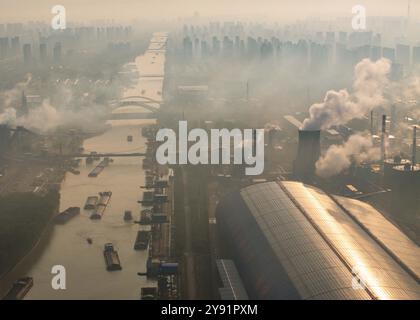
x: 309, y: 150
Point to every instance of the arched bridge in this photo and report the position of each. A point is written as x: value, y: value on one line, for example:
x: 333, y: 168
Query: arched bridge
x: 140, y: 101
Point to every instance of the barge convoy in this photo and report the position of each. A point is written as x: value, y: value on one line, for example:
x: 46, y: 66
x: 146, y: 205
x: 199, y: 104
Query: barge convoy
x: 98, y: 169
x: 102, y: 204
x: 91, y: 203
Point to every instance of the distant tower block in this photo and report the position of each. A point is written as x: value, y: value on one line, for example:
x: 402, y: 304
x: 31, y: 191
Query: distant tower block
x: 309, y: 151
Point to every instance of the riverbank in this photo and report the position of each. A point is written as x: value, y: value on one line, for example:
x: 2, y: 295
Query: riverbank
x: 24, y: 218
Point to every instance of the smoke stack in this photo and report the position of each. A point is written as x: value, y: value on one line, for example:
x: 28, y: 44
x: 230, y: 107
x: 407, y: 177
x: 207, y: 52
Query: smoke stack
x: 413, y: 160
x: 254, y: 141
x: 383, y: 136
x: 371, y: 122
x: 309, y: 151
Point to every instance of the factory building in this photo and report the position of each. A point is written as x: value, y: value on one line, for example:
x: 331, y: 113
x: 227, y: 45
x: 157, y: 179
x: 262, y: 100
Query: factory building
x: 389, y: 169
x: 293, y: 241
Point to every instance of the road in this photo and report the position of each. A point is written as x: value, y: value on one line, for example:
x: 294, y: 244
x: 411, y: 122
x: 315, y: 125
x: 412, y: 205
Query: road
x: 189, y: 256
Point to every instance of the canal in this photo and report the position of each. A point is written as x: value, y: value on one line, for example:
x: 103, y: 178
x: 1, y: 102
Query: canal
x: 67, y: 245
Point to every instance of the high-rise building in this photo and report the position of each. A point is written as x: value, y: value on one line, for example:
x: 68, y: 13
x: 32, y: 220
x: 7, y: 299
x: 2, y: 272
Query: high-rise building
x: 342, y: 37
x: 27, y: 54
x: 330, y: 37
x: 15, y: 46
x: 43, y: 52
x: 188, y: 48
x: 319, y: 56
x: 4, y: 47
x: 361, y: 53
x: 389, y: 53
x: 360, y: 38
x: 57, y: 52
x: 375, y: 53
x: 403, y: 54
x: 416, y: 55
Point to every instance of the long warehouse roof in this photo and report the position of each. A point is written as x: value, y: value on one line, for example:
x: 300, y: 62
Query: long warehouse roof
x: 327, y: 243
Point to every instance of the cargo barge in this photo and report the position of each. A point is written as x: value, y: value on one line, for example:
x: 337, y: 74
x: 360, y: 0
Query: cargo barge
x: 91, y: 203
x: 20, y: 289
x: 142, y: 240
x: 148, y: 198
x: 149, y: 182
x: 158, y: 218
x: 98, y: 169
x: 145, y: 216
x: 112, y: 260
x: 66, y: 215
x: 128, y: 215
x: 102, y: 204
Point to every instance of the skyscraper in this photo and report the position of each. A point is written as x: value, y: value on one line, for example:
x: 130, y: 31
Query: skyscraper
x: 43, y: 52
x: 57, y: 52
x: 27, y: 54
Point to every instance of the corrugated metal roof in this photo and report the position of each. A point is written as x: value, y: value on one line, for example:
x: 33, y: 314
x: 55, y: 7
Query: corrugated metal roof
x: 385, y: 232
x: 292, y: 120
x: 323, y: 250
x: 233, y: 288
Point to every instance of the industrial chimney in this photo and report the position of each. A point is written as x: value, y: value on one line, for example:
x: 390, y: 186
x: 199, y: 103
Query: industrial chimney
x: 383, y: 137
x: 413, y: 159
x: 371, y: 123
x: 309, y: 151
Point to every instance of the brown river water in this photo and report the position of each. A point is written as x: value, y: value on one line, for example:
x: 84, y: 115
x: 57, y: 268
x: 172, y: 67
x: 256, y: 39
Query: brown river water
x: 66, y: 245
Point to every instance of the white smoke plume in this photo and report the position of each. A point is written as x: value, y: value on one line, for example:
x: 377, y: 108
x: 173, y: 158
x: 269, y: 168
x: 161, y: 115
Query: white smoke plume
x: 46, y: 117
x: 359, y: 147
x: 14, y: 94
x: 42, y: 118
x: 8, y: 117
x: 339, y: 107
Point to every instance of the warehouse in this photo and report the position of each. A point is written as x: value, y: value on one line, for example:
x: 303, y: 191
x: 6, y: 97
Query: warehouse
x: 293, y: 241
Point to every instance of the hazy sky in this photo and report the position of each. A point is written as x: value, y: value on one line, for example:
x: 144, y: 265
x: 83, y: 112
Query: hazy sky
x: 82, y: 10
